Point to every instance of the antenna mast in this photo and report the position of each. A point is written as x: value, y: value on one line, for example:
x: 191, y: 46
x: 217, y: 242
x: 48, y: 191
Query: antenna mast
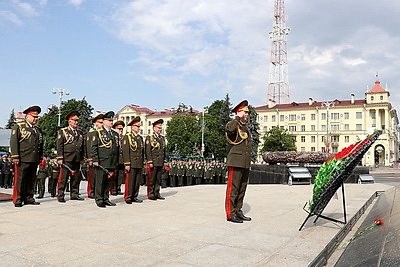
x: 278, y: 86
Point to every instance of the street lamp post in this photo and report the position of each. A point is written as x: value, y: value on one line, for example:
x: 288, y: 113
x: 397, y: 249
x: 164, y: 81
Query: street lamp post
x: 60, y: 92
x: 327, y: 105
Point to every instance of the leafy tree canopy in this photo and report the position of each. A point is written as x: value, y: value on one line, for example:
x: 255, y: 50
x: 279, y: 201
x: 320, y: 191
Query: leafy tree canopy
x: 278, y: 139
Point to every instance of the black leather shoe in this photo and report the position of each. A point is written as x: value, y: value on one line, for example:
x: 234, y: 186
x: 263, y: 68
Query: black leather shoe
x: 128, y: 201
x: 61, y: 200
x: 109, y: 203
x: 160, y: 197
x: 77, y: 198
x: 152, y: 198
x: 244, y: 218
x: 32, y: 203
x: 101, y: 205
x: 235, y: 220
x: 18, y: 205
x: 137, y: 200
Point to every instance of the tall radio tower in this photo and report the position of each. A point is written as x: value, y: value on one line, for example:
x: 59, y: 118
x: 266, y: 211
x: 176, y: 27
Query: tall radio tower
x: 278, y: 86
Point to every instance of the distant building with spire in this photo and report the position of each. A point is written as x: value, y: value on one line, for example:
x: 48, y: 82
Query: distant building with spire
x: 333, y: 125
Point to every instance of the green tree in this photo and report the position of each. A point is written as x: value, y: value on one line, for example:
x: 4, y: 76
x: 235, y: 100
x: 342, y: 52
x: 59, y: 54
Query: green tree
x: 254, y: 127
x: 11, y: 120
x: 278, y: 139
x: 183, y: 134
x: 214, y: 142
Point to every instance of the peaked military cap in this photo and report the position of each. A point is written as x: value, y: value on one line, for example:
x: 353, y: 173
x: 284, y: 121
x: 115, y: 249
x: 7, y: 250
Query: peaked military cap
x: 109, y: 116
x: 158, y: 123
x: 34, y: 111
x: 242, y: 106
x: 119, y: 125
x: 135, y: 121
x: 73, y: 115
x: 98, y: 118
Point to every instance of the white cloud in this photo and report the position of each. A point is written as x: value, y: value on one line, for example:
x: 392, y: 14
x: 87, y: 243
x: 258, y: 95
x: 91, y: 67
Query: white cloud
x: 206, y: 38
x: 11, y: 17
x: 27, y: 9
x: 76, y: 3
x: 42, y: 2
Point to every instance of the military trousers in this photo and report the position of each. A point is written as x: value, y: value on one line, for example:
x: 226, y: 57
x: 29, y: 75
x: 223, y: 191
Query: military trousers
x: 101, y: 189
x: 235, y: 190
x: 155, y: 181
x: 75, y: 180
x: 132, y: 183
x: 25, y: 182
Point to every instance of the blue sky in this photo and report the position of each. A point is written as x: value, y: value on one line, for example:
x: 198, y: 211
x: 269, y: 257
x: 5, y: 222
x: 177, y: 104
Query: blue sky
x: 158, y: 54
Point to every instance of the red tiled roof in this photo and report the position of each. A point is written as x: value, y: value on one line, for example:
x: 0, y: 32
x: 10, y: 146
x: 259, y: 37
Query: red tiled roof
x: 377, y: 88
x: 314, y: 104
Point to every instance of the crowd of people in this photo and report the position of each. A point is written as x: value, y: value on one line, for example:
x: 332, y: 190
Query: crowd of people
x: 107, y: 159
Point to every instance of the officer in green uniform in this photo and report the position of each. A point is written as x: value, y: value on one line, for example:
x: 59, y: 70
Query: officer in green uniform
x: 70, y: 154
x: 42, y: 174
x: 98, y: 124
x: 55, y: 172
x: 133, y: 158
x: 104, y: 152
x: 238, y: 162
x: 155, y: 155
x: 172, y: 173
x: 26, y: 143
x: 119, y: 177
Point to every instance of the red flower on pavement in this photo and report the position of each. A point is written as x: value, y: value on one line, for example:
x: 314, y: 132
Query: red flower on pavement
x: 378, y: 222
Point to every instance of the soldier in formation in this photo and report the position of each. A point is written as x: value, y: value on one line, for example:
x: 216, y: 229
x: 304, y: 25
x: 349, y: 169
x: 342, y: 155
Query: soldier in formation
x: 119, y: 177
x: 155, y: 154
x: 26, y: 144
x: 133, y: 158
x: 104, y: 154
x: 7, y: 171
x: 98, y: 124
x: 42, y: 174
x: 70, y: 154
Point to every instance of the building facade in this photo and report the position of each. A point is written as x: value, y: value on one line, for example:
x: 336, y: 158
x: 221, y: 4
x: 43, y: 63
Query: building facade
x: 331, y: 126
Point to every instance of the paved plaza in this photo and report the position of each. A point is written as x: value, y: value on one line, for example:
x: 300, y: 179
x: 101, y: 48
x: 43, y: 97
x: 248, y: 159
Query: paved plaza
x: 188, y: 228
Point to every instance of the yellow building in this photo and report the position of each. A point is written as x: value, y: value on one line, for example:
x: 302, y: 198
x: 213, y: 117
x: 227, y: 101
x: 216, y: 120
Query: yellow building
x: 147, y: 117
x: 340, y: 122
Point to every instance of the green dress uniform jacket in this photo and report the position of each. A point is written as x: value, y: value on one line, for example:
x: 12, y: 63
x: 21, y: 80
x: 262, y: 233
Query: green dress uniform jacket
x: 105, y: 151
x: 155, y: 154
x: 26, y: 144
x: 238, y: 160
x: 133, y: 156
x: 71, y: 150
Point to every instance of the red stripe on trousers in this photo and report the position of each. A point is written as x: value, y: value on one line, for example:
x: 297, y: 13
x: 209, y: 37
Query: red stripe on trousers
x: 59, y: 180
x: 126, y: 193
x: 228, y: 193
x: 148, y: 181
x: 89, y: 184
x: 15, y: 188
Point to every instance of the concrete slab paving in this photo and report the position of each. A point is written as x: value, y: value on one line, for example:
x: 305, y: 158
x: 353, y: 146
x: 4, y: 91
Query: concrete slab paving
x: 188, y: 228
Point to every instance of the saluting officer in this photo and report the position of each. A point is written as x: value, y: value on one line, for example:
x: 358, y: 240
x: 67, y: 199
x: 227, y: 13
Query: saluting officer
x: 105, y: 152
x: 155, y: 155
x: 98, y: 124
x: 26, y: 145
x: 133, y: 158
x: 238, y: 162
x: 70, y: 153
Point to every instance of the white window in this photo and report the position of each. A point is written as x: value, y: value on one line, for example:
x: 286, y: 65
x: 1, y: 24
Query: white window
x: 323, y: 116
x: 303, y: 128
x: 335, y: 116
x: 358, y: 115
x: 303, y: 139
x: 303, y: 149
x: 303, y: 117
x: 358, y: 127
x: 346, y: 116
x: 292, y: 128
x: 292, y: 117
x: 335, y: 127
x: 313, y: 117
x: 265, y: 118
x: 346, y: 138
x: 273, y: 118
x: 313, y: 128
x: 312, y: 139
x: 346, y: 127
x: 313, y: 149
x: 282, y: 117
x: 265, y: 128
